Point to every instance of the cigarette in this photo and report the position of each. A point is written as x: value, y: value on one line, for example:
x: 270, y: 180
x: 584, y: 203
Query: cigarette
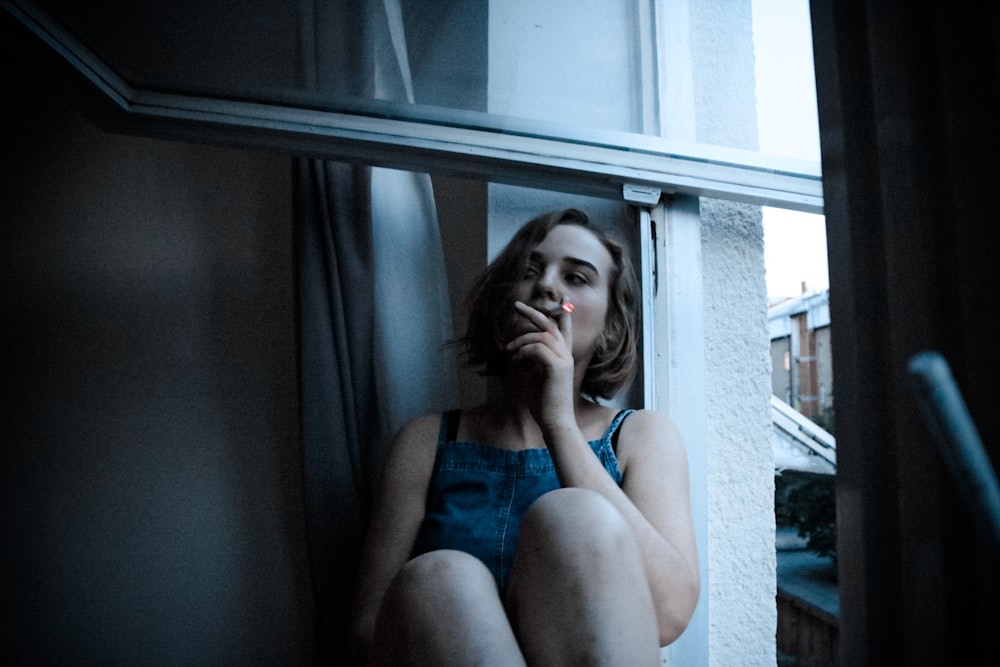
x: 565, y: 306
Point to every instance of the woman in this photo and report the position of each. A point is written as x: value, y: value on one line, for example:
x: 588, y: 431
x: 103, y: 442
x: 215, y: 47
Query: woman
x: 542, y: 527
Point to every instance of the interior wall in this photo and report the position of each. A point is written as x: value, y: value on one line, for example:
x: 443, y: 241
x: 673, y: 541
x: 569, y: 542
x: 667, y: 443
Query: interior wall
x: 152, y: 502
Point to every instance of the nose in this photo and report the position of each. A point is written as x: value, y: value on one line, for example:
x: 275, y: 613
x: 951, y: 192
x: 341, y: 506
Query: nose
x: 548, y: 283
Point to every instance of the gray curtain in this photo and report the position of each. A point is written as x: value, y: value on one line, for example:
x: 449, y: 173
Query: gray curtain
x: 336, y: 298
x: 374, y: 311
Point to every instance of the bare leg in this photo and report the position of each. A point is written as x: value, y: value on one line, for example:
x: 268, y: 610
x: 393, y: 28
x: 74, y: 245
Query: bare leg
x: 444, y: 609
x: 578, y: 593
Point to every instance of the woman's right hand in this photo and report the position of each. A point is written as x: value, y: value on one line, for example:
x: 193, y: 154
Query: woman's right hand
x: 545, y: 354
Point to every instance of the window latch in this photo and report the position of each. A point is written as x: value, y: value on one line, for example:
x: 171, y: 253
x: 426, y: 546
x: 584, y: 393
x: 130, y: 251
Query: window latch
x: 647, y: 195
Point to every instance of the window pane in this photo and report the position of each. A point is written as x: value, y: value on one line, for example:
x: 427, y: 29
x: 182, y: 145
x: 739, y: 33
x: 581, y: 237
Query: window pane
x: 568, y: 67
x: 547, y: 85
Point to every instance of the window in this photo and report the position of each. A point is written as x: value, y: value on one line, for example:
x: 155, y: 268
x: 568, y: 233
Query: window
x: 526, y: 121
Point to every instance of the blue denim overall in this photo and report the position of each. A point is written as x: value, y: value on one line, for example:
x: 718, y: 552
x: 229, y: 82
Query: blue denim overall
x: 479, y: 493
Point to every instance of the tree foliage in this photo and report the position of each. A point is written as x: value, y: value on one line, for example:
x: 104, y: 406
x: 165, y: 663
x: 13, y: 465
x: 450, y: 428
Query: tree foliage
x: 807, y: 502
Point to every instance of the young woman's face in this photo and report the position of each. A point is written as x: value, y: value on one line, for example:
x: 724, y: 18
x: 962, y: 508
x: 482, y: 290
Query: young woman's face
x: 571, y: 263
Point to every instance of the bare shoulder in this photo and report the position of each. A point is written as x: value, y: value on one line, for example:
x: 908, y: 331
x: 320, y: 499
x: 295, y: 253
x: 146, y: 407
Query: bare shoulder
x: 420, y: 429
x: 414, y: 447
x: 650, y: 435
x: 649, y: 422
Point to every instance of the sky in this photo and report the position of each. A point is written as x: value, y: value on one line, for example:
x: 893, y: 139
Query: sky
x: 794, y: 242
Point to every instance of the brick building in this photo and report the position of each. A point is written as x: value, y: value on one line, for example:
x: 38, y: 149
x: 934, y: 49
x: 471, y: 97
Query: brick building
x: 801, y: 354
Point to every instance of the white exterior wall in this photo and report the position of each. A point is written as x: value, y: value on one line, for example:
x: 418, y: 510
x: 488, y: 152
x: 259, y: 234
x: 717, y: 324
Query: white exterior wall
x: 740, y: 464
x: 740, y: 481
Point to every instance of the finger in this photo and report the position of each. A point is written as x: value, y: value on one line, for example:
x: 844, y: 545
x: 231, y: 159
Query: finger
x: 566, y: 322
x: 542, y: 338
x: 535, y: 351
x: 540, y: 319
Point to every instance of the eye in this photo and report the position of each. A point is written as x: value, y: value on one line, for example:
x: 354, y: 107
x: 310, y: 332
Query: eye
x: 531, y: 271
x: 576, y: 279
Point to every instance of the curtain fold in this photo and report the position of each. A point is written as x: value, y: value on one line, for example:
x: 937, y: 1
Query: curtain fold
x: 336, y: 317
x: 414, y: 367
x: 374, y: 310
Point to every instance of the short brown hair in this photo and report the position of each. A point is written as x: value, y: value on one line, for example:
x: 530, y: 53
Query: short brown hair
x: 613, y: 365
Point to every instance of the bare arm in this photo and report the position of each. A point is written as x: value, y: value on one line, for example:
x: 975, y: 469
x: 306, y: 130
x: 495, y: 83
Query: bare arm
x: 653, y: 499
x: 395, y: 522
x: 655, y: 466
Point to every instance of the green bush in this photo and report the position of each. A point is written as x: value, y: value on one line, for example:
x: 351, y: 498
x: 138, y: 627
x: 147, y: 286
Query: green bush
x: 807, y: 501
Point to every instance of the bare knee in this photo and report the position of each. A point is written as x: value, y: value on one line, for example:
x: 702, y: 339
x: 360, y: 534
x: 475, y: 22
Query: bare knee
x: 576, y: 523
x: 429, y: 579
x: 442, y: 567
x: 443, y: 607
x: 578, y: 559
